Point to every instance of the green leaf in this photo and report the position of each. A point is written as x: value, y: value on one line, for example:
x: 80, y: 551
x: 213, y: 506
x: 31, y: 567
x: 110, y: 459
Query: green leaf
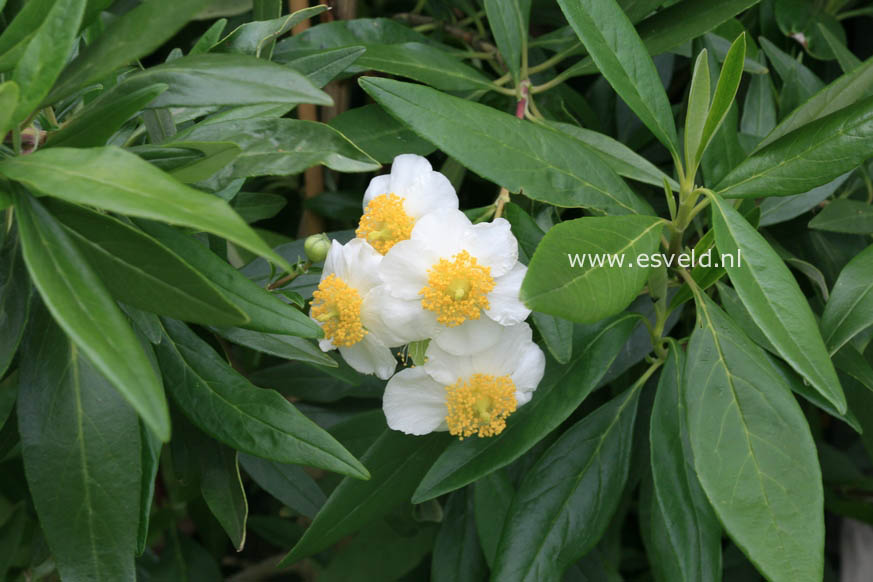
x: 843, y: 215
x: 493, y: 495
x: 8, y: 102
x: 15, y: 300
x: 257, y: 38
x: 116, y: 180
x: 849, y: 311
x: 16, y: 36
x: 150, y: 453
x: 775, y: 210
x: 282, y: 346
x: 510, y: 22
x: 142, y: 272
x: 847, y: 60
x: 753, y: 451
x: 11, y: 534
x: 135, y: 34
x: 225, y: 405
x: 266, y: 312
x: 289, y: 484
x: 623, y: 160
x: 687, y: 531
x: 317, y: 383
x: 397, y: 463
x: 281, y: 147
x: 623, y: 60
x: 99, y: 121
x: 569, y: 269
x: 759, y: 108
x: 209, y: 38
x: 457, y: 556
x: 566, y: 500
x: 222, y: 489
x: 322, y: 66
x: 725, y: 91
x: 799, y: 83
x: 698, y: 108
x: 87, y: 313
x: 45, y: 55
x: 558, y: 395
x: 775, y: 302
x: 808, y: 157
x: 424, y: 63
x: 379, y: 134
x: 80, y: 446
x: 845, y: 91
x: 227, y: 79
x: 549, y: 166
x: 255, y: 206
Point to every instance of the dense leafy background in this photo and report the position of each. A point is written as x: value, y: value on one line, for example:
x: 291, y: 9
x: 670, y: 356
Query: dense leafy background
x: 165, y: 413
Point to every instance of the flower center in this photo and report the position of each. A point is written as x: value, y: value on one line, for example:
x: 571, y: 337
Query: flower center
x: 385, y: 223
x: 480, y: 405
x: 457, y: 290
x: 337, y: 306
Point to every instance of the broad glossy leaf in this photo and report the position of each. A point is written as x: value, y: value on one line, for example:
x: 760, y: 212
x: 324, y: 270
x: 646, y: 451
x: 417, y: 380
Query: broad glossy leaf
x: 222, y: 489
x: 379, y: 134
x: 282, y: 147
x: 258, y: 37
x: 623, y: 60
x: 94, y: 125
x: 780, y: 209
x: 843, y: 215
x: 849, y: 311
x: 510, y: 22
x: 623, y: 160
x: 45, y: 55
x: 457, y: 556
x: 80, y: 446
x: 15, y: 37
x: 558, y: 395
x: 266, y: 312
x: 753, y: 452
x: 282, y: 346
x: 86, y: 311
x: 142, y: 272
x: 396, y: 462
x: 424, y: 63
x: 492, y: 497
x: 289, y: 484
x: 119, y: 181
x: 8, y: 102
x: 551, y: 167
x: 225, y: 405
x: 690, y: 535
x: 845, y: 91
x: 569, y: 270
x: 135, y: 34
x: 774, y: 300
x: 227, y: 79
x: 566, y: 500
x: 15, y: 300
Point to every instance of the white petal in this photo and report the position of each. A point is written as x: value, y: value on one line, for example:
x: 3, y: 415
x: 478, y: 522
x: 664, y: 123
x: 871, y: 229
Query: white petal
x: 413, y: 403
x: 493, y: 245
x: 361, y: 265
x: 505, y: 306
x: 433, y: 192
x: 443, y: 231
x: 378, y: 186
x: 522, y: 398
x: 447, y: 368
x: 334, y: 263
x: 407, y: 172
x: 370, y: 356
x: 530, y: 365
x: 404, y: 268
x: 474, y: 335
x: 396, y: 321
x: 326, y: 345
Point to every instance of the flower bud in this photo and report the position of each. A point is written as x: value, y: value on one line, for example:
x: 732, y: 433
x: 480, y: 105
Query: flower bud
x: 316, y: 247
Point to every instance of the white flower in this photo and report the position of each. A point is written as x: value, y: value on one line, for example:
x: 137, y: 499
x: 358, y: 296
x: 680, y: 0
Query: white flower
x: 394, y: 202
x: 469, y: 394
x: 343, y: 307
x: 452, y: 281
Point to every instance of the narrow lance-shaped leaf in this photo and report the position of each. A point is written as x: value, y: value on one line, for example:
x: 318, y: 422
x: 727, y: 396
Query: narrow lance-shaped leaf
x: 509, y: 20
x: 119, y: 181
x: 80, y: 446
x: 774, y: 300
x: 457, y: 556
x: 222, y: 489
x: 15, y: 299
x: 8, y: 102
x: 17, y: 34
x: 290, y: 484
x: 753, y: 452
x: 842, y: 215
x: 725, y: 91
x: 520, y: 156
x: 622, y: 57
x: 566, y: 501
x: 82, y: 306
x: 698, y: 107
x: 849, y: 311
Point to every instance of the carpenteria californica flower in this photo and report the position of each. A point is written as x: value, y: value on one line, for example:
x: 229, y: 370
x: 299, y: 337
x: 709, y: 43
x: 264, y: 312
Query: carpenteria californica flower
x: 453, y: 281
x: 469, y: 394
x: 343, y: 307
x: 394, y: 202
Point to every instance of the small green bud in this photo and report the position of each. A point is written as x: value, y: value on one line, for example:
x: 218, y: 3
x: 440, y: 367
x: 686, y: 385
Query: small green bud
x: 316, y: 247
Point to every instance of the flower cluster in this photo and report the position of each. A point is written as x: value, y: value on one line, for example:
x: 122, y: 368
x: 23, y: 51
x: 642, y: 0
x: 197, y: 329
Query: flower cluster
x: 419, y: 270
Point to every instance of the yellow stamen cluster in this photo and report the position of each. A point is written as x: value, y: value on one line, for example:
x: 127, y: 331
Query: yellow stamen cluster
x: 457, y: 290
x: 338, y: 307
x: 480, y: 405
x: 385, y: 222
